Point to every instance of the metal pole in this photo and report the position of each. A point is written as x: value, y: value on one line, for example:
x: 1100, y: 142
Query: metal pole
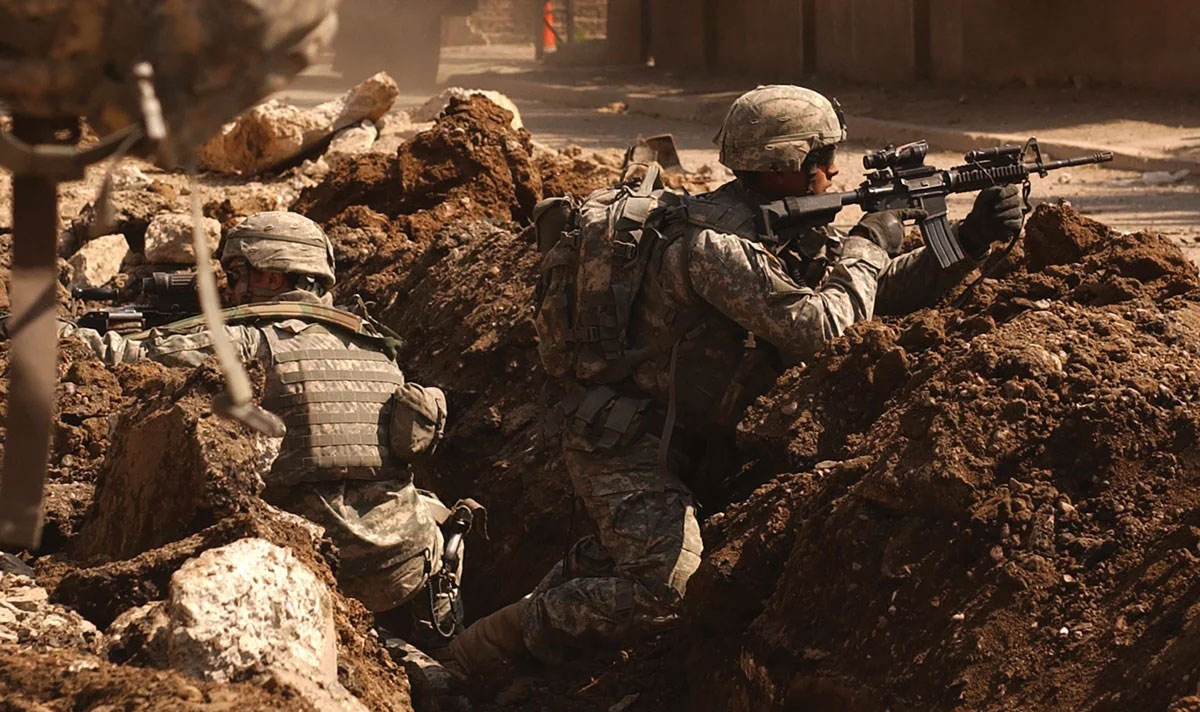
x: 570, y: 21
x: 33, y: 349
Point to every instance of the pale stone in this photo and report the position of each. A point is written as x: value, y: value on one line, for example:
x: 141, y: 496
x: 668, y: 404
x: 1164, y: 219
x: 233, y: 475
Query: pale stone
x: 394, y: 129
x: 273, y: 133
x: 127, y: 176
x: 98, y: 261
x: 29, y: 618
x: 250, y: 606
x: 430, y: 110
x: 169, y: 238
x: 353, y: 140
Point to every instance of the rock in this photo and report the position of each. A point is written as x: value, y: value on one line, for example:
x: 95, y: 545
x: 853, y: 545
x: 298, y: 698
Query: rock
x: 139, y: 636
x: 169, y: 238
x: 274, y: 133
x: 247, y: 606
x: 128, y: 176
x: 132, y: 211
x: 98, y: 261
x: 433, y: 108
x: 104, y: 592
x: 394, y: 129
x: 10, y: 564
x: 354, y: 140
x: 27, y: 618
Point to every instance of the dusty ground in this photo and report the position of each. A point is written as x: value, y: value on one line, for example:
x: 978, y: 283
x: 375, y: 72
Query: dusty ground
x: 987, y: 507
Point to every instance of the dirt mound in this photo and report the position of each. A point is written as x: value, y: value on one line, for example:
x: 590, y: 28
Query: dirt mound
x: 995, y: 507
x: 173, y: 468
x: 63, y: 679
x: 571, y: 172
x: 88, y: 401
x: 101, y: 593
x: 428, y: 239
x: 471, y: 163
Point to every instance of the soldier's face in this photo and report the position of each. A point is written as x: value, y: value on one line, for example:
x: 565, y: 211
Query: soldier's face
x: 246, y: 285
x: 822, y: 180
x: 783, y: 184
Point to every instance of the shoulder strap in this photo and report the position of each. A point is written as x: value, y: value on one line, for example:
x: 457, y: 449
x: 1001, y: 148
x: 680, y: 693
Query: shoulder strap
x: 650, y: 182
x: 305, y: 311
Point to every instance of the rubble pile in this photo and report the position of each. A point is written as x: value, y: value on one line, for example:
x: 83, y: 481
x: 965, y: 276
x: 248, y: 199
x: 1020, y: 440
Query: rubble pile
x: 273, y: 133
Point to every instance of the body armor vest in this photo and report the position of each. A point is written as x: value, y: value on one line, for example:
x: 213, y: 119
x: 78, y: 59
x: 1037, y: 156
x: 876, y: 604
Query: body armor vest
x: 335, y: 397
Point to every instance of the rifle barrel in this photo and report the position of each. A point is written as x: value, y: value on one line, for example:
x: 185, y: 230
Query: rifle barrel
x: 1101, y: 157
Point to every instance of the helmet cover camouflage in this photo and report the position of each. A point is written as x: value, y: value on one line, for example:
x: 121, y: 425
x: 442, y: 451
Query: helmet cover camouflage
x: 281, y: 241
x: 775, y: 127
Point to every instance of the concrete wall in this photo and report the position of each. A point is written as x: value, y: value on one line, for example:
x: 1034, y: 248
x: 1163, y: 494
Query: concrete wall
x: 1153, y: 43
x: 1148, y: 43
x: 677, y: 33
x: 624, y: 32
x: 865, y: 39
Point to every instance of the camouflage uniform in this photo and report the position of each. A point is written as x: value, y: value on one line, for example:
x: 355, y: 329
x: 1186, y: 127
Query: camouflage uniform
x: 721, y: 311
x: 340, y: 463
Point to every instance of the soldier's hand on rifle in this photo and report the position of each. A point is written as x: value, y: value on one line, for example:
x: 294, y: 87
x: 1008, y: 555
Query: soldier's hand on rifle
x: 996, y: 217
x: 886, y: 228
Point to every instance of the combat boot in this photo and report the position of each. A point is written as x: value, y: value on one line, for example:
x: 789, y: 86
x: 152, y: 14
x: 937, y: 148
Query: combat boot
x: 487, y: 643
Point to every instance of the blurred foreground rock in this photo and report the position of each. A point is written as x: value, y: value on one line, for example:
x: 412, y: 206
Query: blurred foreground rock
x: 274, y: 133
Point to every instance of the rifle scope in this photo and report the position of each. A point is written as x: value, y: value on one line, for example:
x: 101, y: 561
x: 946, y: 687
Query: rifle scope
x: 910, y: 155
x: 169, y: 283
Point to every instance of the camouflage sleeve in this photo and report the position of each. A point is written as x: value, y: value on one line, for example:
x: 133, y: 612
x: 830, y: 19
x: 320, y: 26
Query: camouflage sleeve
x: 915, y: 280
x: 166, y: 348
x: 748, y: 284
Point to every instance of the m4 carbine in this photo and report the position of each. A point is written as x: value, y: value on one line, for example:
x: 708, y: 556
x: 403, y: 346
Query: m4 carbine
x: 166, y: 298
x: 899, y: 178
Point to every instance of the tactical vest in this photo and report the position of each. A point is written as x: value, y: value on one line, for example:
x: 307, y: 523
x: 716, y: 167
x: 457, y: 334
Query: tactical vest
x: 333, y: 386
x: 335, y: 398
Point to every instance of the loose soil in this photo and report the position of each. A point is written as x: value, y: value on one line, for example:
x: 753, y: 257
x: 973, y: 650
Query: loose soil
x: 988, y: 508
x: 983, y: 507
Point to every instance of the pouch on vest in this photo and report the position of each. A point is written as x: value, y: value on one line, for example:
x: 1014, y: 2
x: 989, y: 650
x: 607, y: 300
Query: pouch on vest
x: 418, y: 420
x: 591, y: 274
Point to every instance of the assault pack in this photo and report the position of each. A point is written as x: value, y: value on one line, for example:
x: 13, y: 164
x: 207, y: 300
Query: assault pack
x: 595, y: 254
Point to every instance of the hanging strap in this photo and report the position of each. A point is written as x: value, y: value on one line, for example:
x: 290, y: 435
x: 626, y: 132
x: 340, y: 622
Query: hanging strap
x: 664, y: 441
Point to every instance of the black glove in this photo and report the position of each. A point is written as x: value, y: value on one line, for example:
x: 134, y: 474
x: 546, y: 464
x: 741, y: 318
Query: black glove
x: 886, y: 228
x: 996, y: 217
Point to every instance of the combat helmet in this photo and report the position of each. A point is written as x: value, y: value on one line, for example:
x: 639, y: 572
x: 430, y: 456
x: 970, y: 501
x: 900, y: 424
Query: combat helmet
x: 775, y: 127
x: 280, y: 241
